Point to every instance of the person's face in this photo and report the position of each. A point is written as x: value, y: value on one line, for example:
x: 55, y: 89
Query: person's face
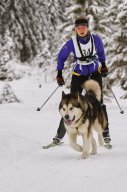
x: 81, y: 30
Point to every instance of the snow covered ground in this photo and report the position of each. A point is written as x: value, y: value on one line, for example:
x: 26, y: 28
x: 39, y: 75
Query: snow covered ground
x: 26, y: 167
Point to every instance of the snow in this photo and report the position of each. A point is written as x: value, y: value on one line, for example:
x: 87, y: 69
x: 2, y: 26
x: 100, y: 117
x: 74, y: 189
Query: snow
x: 26, y: 167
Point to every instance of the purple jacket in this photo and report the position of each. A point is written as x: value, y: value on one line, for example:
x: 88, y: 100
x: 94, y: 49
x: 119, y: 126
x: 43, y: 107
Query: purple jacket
x: 84, y: 69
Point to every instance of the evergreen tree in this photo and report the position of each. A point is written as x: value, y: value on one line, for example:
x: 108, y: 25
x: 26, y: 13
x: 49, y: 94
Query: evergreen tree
x: 117, y: 50
x: 32, y: 27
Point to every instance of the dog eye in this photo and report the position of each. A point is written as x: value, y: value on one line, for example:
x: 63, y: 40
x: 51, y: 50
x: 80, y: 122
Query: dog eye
x: 71, y: 108
x: 63, y: 109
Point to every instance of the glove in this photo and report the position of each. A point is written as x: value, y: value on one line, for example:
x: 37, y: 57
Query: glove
x: 104, y: 69
x: 60, y: 79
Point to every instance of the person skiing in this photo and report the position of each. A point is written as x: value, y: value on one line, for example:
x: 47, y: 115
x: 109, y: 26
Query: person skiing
x: 89, y: 56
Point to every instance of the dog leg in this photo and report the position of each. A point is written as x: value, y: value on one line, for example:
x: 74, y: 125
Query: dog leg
x: 100, y: 139
x: 73, y: 144
x: 94, y: 145
x: 98, y: 129
x: 86, y: 146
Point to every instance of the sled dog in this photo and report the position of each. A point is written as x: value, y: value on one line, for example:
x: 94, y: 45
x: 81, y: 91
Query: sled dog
x: 82, y: 114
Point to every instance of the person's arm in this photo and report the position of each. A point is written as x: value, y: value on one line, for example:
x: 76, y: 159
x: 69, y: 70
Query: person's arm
x: 101, y: 56
x: 100, y: 49
x: 62, y: 57
x: 64, y: 54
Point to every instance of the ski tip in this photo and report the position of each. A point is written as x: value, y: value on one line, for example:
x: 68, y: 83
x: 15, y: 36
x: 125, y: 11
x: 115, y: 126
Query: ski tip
x: 51, y: 145
x: 47, y: 146
x: 44, y: 147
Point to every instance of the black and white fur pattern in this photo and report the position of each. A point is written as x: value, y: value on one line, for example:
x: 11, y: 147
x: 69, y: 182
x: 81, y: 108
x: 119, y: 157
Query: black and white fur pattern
x: 81, y: 115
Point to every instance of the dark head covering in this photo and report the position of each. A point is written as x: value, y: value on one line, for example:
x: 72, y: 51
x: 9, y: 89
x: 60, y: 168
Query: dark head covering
x: 81, y: 21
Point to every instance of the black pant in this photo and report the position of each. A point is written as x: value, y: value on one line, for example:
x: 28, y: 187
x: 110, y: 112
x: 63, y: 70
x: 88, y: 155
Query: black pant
x: 76, y: 86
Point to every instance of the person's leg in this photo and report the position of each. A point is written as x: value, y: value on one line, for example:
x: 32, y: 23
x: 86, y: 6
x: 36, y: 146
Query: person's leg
x: 106, y: 135
x: 60, y: 132
x: 76, y: 83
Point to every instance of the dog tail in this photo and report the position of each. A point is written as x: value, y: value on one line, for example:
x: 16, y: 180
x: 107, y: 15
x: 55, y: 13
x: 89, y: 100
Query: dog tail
x: 92, y: 85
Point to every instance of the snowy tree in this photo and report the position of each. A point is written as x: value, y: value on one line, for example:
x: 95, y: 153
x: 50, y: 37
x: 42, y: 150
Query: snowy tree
x: 31, y: 29
x: 7, y: 95
x: 32, y: 25
x: 117, y: 50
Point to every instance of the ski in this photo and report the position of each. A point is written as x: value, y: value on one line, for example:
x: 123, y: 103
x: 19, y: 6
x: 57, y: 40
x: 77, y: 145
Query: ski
x: 51, y: 145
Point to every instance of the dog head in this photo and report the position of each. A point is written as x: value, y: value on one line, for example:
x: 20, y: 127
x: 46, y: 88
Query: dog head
x: 70, y: 108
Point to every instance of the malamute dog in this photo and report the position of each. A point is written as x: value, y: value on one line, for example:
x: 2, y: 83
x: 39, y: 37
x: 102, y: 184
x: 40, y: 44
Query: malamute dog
x: 81, y: 115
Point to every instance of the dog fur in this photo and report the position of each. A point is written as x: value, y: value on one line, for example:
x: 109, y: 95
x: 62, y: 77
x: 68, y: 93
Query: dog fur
x: 82, y: 114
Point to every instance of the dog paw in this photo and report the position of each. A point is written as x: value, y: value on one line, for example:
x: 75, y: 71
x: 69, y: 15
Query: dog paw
x: 84, y: 156
x: 93, y: 153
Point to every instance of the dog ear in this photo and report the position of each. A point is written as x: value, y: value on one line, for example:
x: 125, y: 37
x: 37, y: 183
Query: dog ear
x: 63, y: 94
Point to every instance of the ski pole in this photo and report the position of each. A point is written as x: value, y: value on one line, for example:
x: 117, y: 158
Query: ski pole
x: 121, y: 111
x: 39, y: 108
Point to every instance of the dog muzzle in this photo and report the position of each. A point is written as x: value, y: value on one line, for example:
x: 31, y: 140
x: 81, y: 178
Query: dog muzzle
x: 69, y: 121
